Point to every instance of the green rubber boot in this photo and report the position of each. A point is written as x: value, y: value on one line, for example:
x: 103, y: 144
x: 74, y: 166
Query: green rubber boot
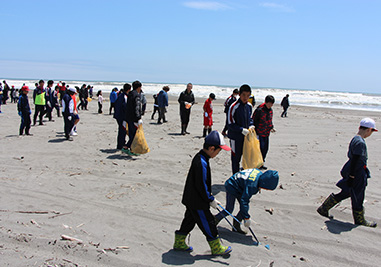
x: 217, y: 248
x: 180, y: 243
x: 358, y: 216
x: 329, y: 203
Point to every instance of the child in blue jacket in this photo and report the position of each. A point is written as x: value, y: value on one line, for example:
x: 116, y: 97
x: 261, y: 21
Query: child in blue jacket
x: 242, y: 186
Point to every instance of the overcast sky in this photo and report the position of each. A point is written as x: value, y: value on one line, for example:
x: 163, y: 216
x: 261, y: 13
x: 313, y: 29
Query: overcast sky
x: 324, y: 45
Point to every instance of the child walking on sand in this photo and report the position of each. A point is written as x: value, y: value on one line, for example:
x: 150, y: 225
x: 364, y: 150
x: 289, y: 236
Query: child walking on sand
x: 208, y: 111
x: 100, y: 101
x: 197, y: 198
x: 24, y: 111
x: 355, y: 174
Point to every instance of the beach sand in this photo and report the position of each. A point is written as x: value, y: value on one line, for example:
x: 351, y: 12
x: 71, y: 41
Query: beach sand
x: 125, y: 209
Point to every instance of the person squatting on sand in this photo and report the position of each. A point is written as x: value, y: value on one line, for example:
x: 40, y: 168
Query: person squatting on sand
x: 186, y: 100
x: 239, y: 123
x: 134, y: 114
x: 68, y: 112
x: 162, y: 102
x: 198, y: 199
x: 355, y: 174
x: 39, y: 102
x: 120, y: 115
x: 242, y: 186
x: 24, y: 111
x: 208, y: 111
x: 230, y: 100
x: 263, y: 122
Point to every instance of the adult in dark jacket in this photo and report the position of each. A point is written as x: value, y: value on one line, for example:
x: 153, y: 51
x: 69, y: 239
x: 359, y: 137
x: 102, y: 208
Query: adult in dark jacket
x: 49, y: 100
x: 134, y: 112
x: 239, y: 123
x: 5, y: 92
x: 198, y: 198
x: 355, y: 175
x: 162, y: 102
x: 24, y: 111
x: 285, y: 104
x: 120, y: 115
x: 263, y: 122
x: 186, y: 100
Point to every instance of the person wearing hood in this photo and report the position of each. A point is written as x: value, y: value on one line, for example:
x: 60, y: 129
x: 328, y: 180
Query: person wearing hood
x: 113, y: 97
x: 242, y: 186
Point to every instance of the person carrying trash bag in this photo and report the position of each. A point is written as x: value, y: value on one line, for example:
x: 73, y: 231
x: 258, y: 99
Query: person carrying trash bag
x: 355, y: 174
x: 242, y: 186
x: 198, y: 199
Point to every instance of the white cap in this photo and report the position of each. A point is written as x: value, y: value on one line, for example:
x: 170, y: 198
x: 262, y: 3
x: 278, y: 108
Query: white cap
x: 368, y: 123
x: 72, y: 90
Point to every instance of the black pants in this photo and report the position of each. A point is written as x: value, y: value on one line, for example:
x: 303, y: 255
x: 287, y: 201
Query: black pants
x: 38, y: 111
x: 204, y: 220
x: 236, y: 153
x: 100, y: 108
x: 25, y: 123
x: 68, y: 125
x: 284, y: 113
x: 264, y: 145
x: 131, y: 133
x: 155, y: 108
x: 185, y: 115
x: 48, y: 112
x: 162, y: 114
x: 112, y: 106
x: 121, y: 139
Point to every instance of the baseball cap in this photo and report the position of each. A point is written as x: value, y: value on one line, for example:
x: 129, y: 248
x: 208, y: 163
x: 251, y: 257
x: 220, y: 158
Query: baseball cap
x: 368, y: 123
x: 25, y: 88
x: 72, y: 90
x: 216, y: 139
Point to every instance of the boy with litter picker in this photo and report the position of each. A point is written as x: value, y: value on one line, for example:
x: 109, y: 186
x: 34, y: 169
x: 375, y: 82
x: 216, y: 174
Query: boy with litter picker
x: 355, y: 175
x: 197, y: 198
x: 242, y: 186
x: 24, y: 111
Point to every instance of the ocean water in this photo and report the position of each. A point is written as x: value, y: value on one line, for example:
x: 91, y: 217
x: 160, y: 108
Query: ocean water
x: 315, y: 98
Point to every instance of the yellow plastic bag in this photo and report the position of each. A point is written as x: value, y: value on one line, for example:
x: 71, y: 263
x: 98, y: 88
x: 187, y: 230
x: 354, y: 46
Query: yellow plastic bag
x: 251, y: 154
x: 139, y: 144
x: 89, y: 99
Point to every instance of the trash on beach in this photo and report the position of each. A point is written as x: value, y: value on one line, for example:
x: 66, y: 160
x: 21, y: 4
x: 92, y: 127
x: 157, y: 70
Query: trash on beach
x: 267, y: 246
x: 270, y: 210
x: 293, y: 173
x: 69, y: 238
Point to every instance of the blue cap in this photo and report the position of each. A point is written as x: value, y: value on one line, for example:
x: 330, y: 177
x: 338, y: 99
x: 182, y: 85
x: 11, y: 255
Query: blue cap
x: 216, y: 139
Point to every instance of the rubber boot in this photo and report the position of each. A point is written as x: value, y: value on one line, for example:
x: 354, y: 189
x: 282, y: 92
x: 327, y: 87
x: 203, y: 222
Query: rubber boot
x: 180, y: 242
x: 21, y: 132
x: 326, y: 206
x: 359, y: 219
x: 204, y: 132
x: 238, y: 228
x: 209, y: 130
x: 183, y: 129
x: 217, y: 248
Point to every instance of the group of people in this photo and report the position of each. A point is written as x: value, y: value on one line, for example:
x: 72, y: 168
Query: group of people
x: 46, y: 99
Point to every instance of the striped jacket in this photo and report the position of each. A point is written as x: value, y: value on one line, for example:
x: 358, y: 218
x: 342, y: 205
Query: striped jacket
x: 239, y: 117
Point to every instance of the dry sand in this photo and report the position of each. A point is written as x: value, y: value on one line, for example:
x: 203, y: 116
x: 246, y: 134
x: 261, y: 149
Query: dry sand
x: 88, y: 190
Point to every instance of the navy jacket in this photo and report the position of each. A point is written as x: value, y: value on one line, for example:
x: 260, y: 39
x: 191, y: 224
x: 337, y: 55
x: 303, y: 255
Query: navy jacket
x: 134, y: 106
x: 120, y: 107
x: 23, y: 104
x: 198, y: 186
x: 239, y: 117
x: 162, y: 99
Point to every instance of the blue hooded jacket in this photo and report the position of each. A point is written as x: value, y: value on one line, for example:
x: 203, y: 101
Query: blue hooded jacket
x: 113, y: 96
x: 246, y: 183
x: 162, y: 99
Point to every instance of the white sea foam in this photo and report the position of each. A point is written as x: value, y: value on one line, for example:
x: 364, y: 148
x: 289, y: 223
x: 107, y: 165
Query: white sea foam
x: 316, y: 98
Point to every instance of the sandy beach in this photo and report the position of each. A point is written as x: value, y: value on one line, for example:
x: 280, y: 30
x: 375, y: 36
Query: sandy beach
x: 124, y: 210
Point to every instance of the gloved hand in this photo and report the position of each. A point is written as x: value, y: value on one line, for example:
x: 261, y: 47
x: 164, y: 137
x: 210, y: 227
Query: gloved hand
x: 214, y: 204
x: 69, y: 118
x: 206, y: 114
x: 20, y: 113
x: 247, y: 222
x: 140, y: 122
x: 245, y: 131
x: 252, y: 127
x: 273, y: 130
x: 350, y: 181
x: 124, y: 124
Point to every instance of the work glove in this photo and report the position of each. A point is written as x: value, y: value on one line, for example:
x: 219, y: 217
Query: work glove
x: 247, y: 223
x: 206, y: 114
x: 124, y: 124
x: 140, y: 122
x: 69, y: 118
x: 20, y: 113
x: 350, y: 180
x: 251, y: 127
x: 214, y: 204
x: 245, y: 131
